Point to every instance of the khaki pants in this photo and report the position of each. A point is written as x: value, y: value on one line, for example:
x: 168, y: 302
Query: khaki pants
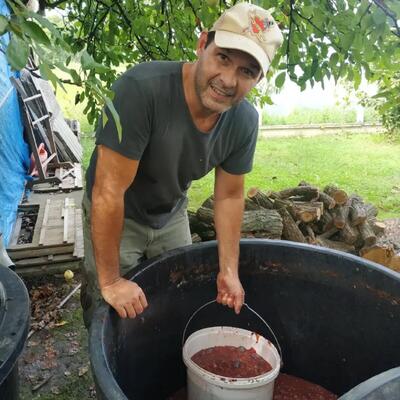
x: 138, y: 242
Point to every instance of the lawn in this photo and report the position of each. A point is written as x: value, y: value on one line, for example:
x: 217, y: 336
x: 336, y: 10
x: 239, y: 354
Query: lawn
x: 366, y: 164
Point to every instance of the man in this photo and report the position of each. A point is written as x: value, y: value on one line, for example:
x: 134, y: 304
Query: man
x: 179, y: 121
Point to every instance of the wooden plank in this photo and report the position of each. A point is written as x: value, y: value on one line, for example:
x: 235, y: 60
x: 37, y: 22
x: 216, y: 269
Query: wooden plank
x: 50, y: 269
x: 79, y: 244
x: 28, y: 246
x: 66, y: 221
x: 41, y: 252
x: 44, y: 222
x: 58, y: 258
x: 78, y: 175
x: 16, y: 230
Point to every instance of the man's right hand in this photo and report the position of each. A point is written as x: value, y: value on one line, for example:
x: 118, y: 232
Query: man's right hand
x: 126, y: 297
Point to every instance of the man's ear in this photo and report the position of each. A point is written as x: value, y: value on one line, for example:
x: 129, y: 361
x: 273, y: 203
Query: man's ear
x: 201, y: 43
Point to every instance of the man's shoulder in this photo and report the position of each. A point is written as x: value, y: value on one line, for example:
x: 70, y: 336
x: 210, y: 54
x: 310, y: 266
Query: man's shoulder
x: 245, y: 113
x: 153, y: 70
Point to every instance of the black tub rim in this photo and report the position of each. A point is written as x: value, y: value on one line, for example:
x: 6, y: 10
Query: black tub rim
x: 13, y: 293
x: 102, y: 373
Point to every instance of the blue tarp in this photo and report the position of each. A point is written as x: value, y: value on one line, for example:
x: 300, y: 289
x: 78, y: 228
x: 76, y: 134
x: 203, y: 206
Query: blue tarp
x: 14, y: 152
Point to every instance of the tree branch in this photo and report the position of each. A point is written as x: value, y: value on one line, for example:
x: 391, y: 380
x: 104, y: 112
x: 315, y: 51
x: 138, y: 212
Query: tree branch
x: 391, y: 14
x: 290, y: 32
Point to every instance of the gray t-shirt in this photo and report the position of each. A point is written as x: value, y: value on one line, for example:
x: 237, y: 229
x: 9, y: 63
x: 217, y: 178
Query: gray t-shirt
x: 158, y: 130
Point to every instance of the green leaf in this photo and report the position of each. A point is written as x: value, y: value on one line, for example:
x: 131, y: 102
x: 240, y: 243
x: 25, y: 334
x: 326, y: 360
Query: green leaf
x: 314, y: 67
x: 104, y: 118
x: 347, y: 40
x: 115, y: 115
x: 379, y: 16
x: 48, y: 74
x: 356, y: 78
x: 280, y: 79
x: 334, y: 59
x: 17, y: 53
x: 3, y: 24
x: 88, y: 62
x: 34, y: 31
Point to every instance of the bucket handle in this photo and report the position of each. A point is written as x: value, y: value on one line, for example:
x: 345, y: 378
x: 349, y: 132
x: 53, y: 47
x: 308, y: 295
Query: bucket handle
x: 250, y: 309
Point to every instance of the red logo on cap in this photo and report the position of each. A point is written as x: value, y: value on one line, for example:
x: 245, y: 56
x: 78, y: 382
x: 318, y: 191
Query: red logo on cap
x: 258, y: 26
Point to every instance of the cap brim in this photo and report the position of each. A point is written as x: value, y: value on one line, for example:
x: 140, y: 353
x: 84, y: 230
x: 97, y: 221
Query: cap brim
x: 231, y: 40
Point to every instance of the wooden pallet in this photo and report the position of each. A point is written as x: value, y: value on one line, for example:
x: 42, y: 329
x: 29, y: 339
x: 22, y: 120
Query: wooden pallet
x: 57, y: 237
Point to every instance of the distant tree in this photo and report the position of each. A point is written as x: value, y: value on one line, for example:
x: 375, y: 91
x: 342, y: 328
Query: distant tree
x: 323, y: 38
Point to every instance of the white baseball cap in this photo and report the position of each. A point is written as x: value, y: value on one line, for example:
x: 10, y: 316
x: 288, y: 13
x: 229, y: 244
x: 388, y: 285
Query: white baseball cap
x: 251, y: 29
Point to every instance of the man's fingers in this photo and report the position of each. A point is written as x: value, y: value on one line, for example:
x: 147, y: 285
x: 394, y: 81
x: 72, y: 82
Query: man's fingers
x: 143, y: 301
x: 130, y: 310
x: 238, y: 304
x: 138, y: 307
x: 121, y: 311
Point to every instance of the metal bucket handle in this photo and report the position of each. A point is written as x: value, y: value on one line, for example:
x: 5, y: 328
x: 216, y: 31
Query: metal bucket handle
x: 250, y: 309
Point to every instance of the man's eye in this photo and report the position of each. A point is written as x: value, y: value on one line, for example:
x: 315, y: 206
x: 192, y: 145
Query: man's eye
x: 222, y: 56
x: 248, y: 72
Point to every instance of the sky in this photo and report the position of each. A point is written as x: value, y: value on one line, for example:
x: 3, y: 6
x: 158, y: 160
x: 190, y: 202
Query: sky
x: 292, y: 97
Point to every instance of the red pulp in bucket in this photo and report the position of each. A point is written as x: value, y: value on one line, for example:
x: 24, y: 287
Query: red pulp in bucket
x: 231, y: 361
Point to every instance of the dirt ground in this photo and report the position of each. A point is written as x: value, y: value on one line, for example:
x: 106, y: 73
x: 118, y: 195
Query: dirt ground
x: 55, y: 362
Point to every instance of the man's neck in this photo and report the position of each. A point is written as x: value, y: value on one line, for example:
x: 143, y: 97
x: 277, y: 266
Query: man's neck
x: 203, y: 118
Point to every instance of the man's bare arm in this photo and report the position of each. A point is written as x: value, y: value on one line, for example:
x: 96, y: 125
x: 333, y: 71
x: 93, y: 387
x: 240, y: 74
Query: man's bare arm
x: 114, y: 174
x: 228, y: 208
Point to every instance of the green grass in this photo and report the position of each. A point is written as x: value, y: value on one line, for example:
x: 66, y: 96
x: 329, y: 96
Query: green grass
x: 304, y: 115
x: 361, y: 163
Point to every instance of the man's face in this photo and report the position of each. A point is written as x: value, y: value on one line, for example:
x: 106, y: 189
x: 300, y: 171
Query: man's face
x: 223, y: 77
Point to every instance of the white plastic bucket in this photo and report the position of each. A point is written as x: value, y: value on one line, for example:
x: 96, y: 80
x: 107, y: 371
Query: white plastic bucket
x: 204, y: 385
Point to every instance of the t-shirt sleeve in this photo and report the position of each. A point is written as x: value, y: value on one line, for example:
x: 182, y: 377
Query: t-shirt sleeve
x: 240, y: 161
x: 132, y: 102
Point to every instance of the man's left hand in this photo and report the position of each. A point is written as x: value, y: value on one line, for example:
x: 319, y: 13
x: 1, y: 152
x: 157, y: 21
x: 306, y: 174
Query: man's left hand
x: 230, y: 291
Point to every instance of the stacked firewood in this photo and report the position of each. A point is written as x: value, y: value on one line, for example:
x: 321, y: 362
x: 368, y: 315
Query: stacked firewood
x: 306, y: 214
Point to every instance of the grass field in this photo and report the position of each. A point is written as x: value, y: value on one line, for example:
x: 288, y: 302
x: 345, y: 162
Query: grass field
x: 365, y: 164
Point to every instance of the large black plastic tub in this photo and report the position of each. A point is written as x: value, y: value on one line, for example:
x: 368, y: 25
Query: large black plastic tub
x: 336, y: 316
x: 14, y: 324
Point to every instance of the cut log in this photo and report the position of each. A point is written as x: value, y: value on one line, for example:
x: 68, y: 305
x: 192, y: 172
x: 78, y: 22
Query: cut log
x: 260, y: 198
x: 310, y: 234
x: 263, y: 220
x: 205, y: 214
x: 329, y: 233
x: 381, y: 254
x: 349, y: 234
x: 332, y: 244
x: 339, y: 195
x: 196, y: 238
x: 339, y: 216
x: 308, y: 193
x: 328, y: 201
x: 371, y: 210
x: 208, y: 203
x: 394, y: 263
x: 197, y: 226
x: 256, y: 220
x: 378, y: 227
x: 367, y: 234
x: 251, y: 205
x: 358, y: 213
x: 207, y: 235
x: 326, y: 221
x: 290, y: 229
x: 301, y: 211
x: 307, y: 212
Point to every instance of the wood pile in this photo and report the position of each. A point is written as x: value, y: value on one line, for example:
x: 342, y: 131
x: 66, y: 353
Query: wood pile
x: 305, y: 214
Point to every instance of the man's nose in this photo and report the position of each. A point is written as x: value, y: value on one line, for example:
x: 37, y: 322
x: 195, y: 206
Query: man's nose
x: 229, y: 78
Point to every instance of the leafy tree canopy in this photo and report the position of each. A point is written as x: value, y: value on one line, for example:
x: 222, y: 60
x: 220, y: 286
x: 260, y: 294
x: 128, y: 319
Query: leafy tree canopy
x: 343, y: 39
